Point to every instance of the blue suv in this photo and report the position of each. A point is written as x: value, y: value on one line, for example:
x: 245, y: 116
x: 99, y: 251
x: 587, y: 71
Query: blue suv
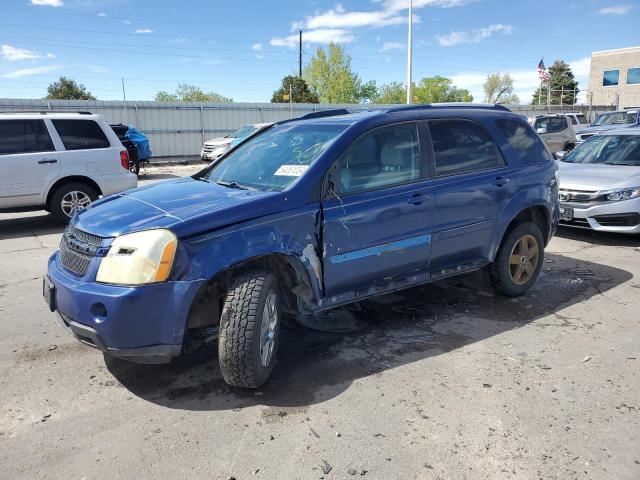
x: 308, y: 215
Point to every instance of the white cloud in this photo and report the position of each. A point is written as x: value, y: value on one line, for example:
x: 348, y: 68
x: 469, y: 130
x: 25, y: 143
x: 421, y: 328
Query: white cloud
x: 339, y: 18
x: 48, y: 3
x: 13, y: 54
x: 31, y: 71
x: 126, y: 22
x: 143, y: 31
x: 50, y: 55
x: 393, y: 46
x: 315, y: 36
x: 256, y: 46
x: 473, y: 36
x: 398, y: 5
x: 615, y: 10
x: 102, y: 14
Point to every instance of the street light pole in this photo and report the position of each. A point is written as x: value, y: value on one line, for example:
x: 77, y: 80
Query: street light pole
x: 410, y: 56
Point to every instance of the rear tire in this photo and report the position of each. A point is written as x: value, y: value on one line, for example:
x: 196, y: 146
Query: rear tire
x: 518, y: 261
x: 69, y: 199
x: 249, y: 328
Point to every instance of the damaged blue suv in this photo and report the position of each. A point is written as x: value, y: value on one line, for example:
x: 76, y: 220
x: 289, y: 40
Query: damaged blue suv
x: 307, y: 215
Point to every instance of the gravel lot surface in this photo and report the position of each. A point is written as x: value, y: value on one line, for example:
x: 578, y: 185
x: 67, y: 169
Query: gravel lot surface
x: 445, y: 381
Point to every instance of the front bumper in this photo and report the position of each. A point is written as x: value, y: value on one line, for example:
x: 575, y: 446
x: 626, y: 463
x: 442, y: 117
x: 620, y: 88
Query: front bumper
x: 143, y: 324
x: 618, y: 217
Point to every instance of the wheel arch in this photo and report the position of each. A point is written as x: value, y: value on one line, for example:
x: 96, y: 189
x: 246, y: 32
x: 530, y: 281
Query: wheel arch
x: 537, y: 213
x: 71, y: 179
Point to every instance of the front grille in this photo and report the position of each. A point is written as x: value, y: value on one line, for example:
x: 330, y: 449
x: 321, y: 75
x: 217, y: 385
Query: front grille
x: 618, y: 220
x: 77, y: 248
x: 209, y: 148
x: 576, y: 222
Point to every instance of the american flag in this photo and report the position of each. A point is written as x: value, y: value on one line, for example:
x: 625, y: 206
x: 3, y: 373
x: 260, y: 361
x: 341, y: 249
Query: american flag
x: 543, y: 75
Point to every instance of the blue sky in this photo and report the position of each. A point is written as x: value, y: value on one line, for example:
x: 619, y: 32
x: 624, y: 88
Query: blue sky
x: 242, y: 49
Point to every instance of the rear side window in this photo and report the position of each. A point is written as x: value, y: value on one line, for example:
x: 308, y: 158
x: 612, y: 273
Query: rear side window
x: 582, y: 119
x: 24, y: 136
x: 573, y: 120
x: 81, y: 134
x: 523, y: 140
x: 462, y: 146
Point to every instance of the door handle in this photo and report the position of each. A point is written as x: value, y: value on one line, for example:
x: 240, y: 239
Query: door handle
x: 418, y: 199
x: 47, y: 160
x: 500, y: 181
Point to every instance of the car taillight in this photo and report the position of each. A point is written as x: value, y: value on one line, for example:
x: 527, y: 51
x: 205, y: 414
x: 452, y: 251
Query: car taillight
x: 124, y: 159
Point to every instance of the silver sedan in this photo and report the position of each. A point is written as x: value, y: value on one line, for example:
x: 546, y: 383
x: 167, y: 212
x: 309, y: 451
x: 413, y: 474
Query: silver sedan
x: 600, y: 183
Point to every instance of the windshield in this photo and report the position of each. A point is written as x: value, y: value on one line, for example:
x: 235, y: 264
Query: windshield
x: 615, y: 118
x: 608, y: 150
x: 244, y: 132
x: 272, y: 160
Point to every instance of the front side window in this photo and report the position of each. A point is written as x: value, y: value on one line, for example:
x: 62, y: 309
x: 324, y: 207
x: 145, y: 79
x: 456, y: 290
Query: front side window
x: 274, y: 159
x: 461, y: 146
x: 81, y: 134
x: 24, y: 136
x: 382, y: 157
x: 633, y: 76
x: 608, y: 150
x: 551, y: 124
x: 524, y: 141
x: 610, y: 78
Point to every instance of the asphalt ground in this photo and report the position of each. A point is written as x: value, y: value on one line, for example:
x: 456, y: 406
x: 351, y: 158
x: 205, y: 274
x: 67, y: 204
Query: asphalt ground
x: 443, y: 381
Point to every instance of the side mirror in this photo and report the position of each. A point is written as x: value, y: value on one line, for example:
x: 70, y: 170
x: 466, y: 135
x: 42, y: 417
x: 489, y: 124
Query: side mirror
x: 541, y: 131
x: 561, y: 154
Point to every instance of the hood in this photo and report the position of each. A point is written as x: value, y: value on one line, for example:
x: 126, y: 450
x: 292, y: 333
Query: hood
x: 184, y: 205
x: 216, y: 142
x: 597, y: 177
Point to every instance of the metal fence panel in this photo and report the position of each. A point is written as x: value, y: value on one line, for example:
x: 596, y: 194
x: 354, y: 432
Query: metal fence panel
x: 179, y: 129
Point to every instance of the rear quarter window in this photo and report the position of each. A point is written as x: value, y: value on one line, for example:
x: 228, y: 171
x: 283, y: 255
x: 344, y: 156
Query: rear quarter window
x: 524, y: 141
x: 81, y: 134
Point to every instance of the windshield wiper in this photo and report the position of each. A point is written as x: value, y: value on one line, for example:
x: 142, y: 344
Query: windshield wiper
x: 234, y: 185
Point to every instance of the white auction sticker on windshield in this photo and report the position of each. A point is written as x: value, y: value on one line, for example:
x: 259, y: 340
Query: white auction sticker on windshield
x: 291, y: 170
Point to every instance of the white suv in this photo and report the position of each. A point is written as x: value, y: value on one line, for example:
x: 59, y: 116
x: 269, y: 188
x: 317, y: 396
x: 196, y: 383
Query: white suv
x: 59, y: 162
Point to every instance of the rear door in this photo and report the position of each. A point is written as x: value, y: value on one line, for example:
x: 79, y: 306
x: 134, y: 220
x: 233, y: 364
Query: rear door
x: 377, y: 213
x: 472, y: 185
x: 28, y: 162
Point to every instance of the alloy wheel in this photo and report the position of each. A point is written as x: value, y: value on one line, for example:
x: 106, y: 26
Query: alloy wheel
x: 523, y: 260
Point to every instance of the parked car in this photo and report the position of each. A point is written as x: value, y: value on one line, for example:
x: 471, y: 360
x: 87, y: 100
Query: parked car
x: 308, y: 215
x: 609, y: 121
x: 600, y: 183
x: 556, y: 132
x: 215, y: 148
x: 137, y: 145
x: 59, y: 162
x: 577, y: 120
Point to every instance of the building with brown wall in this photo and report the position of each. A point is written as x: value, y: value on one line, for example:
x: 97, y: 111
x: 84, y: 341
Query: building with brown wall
x: 614, y: 78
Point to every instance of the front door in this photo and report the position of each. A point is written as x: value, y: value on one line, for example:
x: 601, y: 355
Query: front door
x: 28, y: 162
x: 377, y: 214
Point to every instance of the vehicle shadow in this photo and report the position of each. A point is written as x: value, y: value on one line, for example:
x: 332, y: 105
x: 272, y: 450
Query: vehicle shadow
x: 399, y: 328
x: 27, y: 226
x: 599, y: 238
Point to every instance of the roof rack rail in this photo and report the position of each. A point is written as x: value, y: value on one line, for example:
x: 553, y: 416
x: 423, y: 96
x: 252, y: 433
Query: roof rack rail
x: 485, y: 106
x: 325, y: 113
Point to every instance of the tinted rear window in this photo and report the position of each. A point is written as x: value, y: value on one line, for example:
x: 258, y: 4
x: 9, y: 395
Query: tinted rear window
x: 462, y: 146
x: 24, y: 136
x: 81, y: 134
x: 524, y: 140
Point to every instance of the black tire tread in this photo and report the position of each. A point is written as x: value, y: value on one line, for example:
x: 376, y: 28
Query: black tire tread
x: 239, y: 324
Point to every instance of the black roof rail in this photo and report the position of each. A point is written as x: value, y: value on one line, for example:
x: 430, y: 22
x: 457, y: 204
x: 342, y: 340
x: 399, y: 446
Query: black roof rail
x: 325, y: 113
x: 44, y: 112
x: 484, y: 106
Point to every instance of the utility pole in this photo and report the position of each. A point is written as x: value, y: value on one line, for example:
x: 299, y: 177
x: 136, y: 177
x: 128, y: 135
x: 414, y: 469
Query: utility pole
x: 410, y: 56
x: 300, y: 56
x: 291, y: 100
x: 124, y: 95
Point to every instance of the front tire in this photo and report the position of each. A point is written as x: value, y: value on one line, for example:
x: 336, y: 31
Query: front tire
x: 69, y: 199
x: 518, y: 261
x: 249, y: 328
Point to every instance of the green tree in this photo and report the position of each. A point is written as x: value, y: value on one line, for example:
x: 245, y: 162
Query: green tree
x: 392, y: 93
x: 368, y: 92
x: 439, y: 90
x: 564, y: 87
x: 190, y: 93
x: 67, y: 89
x: 499, y: 89
x: 299, y: 90
x: 329, y: 75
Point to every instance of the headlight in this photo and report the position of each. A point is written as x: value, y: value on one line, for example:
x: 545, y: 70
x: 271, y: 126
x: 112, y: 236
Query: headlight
x: 619, y: 195
x: 139, y: 258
